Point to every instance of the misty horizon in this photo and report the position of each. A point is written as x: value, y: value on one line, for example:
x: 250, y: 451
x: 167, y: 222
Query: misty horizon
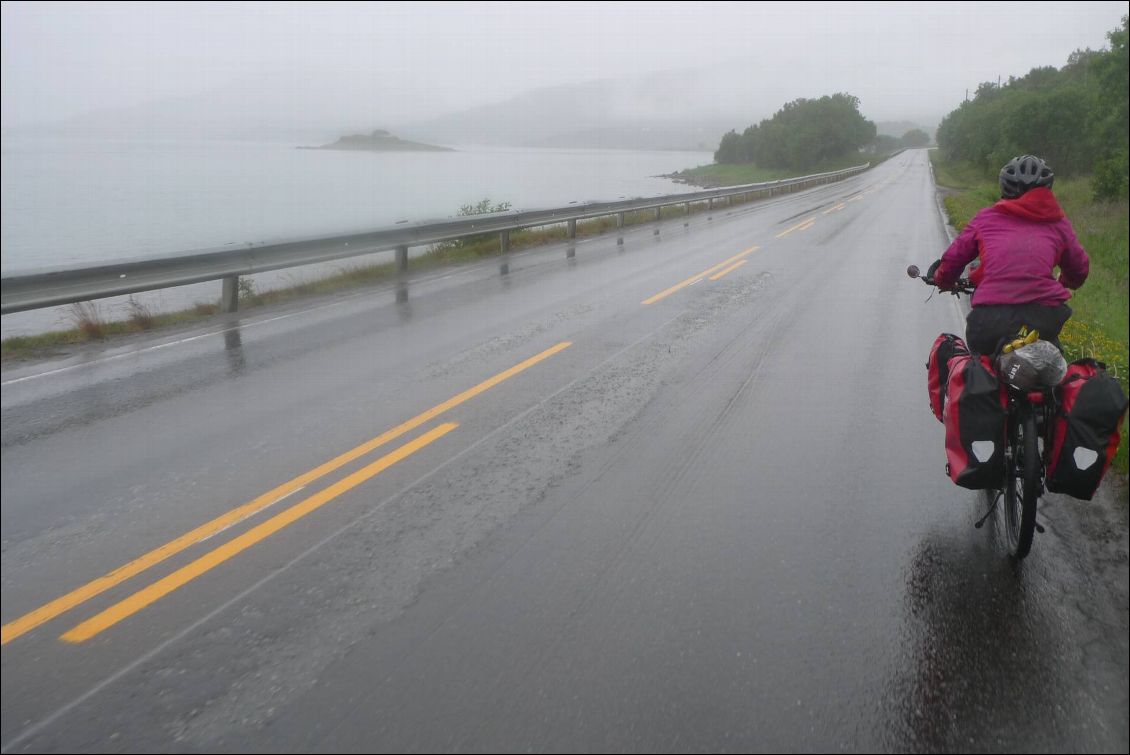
x: 300, y: 73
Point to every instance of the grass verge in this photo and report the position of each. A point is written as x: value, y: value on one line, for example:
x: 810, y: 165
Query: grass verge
x: 716, y: 175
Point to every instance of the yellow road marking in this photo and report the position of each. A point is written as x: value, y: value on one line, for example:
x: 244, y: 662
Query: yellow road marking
x: 856, y: 198
x: 837, y: 208
x: 796, y: 227
x: 728, y: 270
x: 696, y: 278
x: 162, y: 587
x: 49, y: 611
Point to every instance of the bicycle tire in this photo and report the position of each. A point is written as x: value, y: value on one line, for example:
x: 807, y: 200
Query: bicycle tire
x: 1022, y: 485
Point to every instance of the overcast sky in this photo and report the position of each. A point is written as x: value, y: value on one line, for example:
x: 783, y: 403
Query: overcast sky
x: 903, y: 59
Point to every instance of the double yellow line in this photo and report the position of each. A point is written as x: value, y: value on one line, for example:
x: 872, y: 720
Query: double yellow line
x: 210, y: 560
x: 164, y: 586
x: 725, y: 267
x: 803, y: 225
x: 699, y: 276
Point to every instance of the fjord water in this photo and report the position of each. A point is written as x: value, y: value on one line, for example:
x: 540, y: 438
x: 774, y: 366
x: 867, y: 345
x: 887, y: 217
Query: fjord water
x: 74, y: 201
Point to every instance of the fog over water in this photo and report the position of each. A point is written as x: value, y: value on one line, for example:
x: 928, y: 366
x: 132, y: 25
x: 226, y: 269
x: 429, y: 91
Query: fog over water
x: 227, y: 68
x: 134, y: 129
x: 70, y: 201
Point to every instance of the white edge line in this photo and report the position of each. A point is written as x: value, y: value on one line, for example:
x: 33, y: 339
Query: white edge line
x: 156, y: 347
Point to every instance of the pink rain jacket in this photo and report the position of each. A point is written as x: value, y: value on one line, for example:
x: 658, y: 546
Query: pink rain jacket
x: 1020, y: 243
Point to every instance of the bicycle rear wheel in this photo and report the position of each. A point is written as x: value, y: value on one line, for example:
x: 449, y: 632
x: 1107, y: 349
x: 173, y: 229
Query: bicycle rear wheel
x: 1022, y: 484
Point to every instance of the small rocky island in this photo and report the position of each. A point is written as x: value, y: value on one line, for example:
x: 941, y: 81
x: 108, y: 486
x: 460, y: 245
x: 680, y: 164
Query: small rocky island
x: 379, y: 141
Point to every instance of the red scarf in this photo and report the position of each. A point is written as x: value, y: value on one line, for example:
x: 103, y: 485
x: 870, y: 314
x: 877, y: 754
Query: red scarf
x: 1037, y: 204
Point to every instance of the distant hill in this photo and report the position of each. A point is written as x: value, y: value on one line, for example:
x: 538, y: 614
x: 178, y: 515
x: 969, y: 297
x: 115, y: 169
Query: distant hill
x: 689, y: 136
x: 899, y: 128
x: 688, y: 109
x: 313, y: 107
x: 379, y: 141
x: 597, y: 114
x: 672, y: 110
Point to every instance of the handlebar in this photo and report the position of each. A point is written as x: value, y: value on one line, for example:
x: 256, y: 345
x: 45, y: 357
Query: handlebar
x: 961, y: 286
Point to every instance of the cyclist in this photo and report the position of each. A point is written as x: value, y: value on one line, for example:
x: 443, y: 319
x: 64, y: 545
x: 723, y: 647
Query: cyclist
x: 1020, y: 241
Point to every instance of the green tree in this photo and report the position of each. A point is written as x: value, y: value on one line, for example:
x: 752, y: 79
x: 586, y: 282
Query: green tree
x: 885, y: 144
x: 1112, y: 169
x: 915, y: 138
x: 1074, y: 117
x: 730, y: 150
x: 801, y: 135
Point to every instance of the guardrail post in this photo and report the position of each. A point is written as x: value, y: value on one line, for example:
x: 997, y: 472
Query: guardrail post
x: 620, y: 228
x: 39, y: 290
x: 229, y: 296
x: 571, y: 250
x: 658, y: 217
x: 504, y: 246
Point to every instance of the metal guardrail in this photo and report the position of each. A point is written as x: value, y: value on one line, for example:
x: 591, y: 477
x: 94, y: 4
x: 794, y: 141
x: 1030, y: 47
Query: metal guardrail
x: 69, y: 285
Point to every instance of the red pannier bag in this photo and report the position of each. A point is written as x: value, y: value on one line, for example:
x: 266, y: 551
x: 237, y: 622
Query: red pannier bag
x: 946, y: 347
x: 1086, y: 429
x: 975, y: 417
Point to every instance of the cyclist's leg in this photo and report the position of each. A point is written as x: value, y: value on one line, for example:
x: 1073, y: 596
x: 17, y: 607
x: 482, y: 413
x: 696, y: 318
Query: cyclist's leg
x: 987, y: 326
x: 1048, y: 320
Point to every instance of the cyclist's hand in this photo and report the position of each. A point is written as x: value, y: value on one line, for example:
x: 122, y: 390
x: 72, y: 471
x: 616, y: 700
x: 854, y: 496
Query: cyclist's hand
x: 932, y: 278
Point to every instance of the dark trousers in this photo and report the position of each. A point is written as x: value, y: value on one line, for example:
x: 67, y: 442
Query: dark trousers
x: 990, y: 327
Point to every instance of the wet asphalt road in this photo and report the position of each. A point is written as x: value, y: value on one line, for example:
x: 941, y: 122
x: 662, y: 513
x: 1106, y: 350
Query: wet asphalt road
x: 714, y: 522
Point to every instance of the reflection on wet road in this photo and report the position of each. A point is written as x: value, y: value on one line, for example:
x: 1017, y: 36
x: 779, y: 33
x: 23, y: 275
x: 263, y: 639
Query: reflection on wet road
x: 673, y: 488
